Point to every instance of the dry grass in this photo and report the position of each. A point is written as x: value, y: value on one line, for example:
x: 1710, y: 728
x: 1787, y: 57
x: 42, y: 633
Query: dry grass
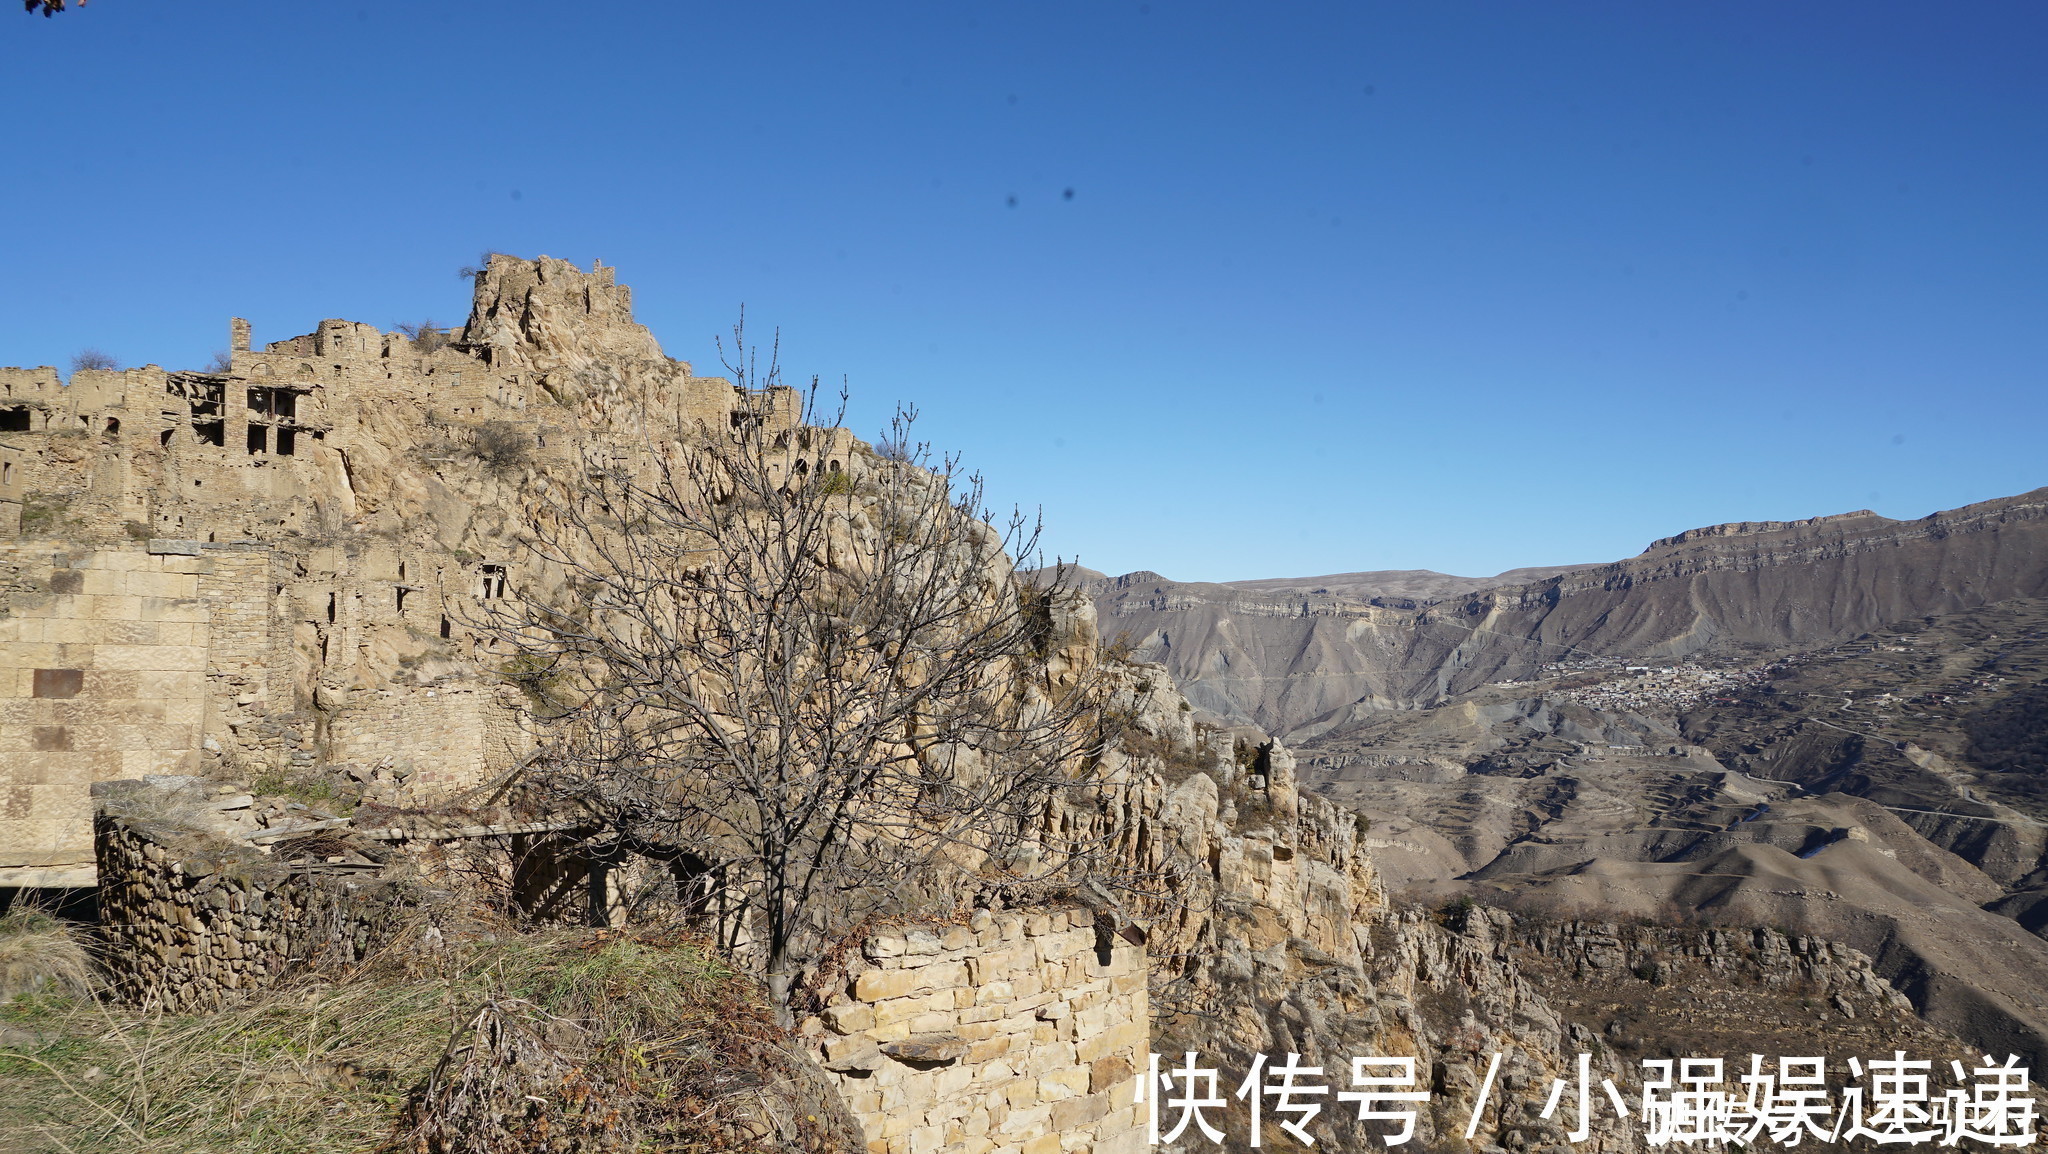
x: 40, y: 954
x: 562, y: 1041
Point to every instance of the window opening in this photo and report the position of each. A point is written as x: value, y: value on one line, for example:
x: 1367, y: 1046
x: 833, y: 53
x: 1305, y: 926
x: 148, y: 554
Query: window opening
x: 444, y: 627
x: 287, y: 442
x: 491, y: 582
x: 259, y: 438
x: 113, y: 426
x: 14, y: 420
x: 330, y: 608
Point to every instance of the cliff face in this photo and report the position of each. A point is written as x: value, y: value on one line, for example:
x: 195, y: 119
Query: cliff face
x: 1273, y: 933
x: 1281, y: 656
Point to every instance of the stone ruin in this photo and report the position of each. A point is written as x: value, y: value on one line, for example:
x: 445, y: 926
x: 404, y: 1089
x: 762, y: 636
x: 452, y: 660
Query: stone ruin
x: 266, y: 568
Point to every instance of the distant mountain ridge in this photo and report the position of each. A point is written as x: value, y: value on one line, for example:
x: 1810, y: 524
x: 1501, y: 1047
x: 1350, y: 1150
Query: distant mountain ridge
x: 1287, y: 652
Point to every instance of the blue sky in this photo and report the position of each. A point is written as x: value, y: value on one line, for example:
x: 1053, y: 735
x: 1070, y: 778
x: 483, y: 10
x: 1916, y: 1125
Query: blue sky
x: 1460, y: 286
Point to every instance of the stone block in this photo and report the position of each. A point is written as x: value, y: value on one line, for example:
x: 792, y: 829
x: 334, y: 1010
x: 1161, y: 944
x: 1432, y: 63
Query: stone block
x: 988, y: 1049
x: 1027, y: 1122
x: 893, y: 1010
x: 1020, y: 1092
x: 1073, y: 1113
x: 1130, y: 1141
x: 876, y: 985
x: 849, y: 1017
x: 1107, y: 1073
x: 1122, y: 1039
x: 927, y: 1047
x: 1089, y: 1023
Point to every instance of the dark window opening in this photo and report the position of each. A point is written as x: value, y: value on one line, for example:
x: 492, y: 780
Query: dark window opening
x: 287, y: 442
x: 402, y: 591
x: 113, y: 426
x: 6, y: 472
x: 445, y: 631
x: 259, y: 438
x: 204, y: 396
x: 330, y: 608
x: 491, y: 582
x: 164, y: 438
x: 279, y: 403
x: 14, y: 420
x: 803, y: 467
x: 59, y: 682
x: 401, y: 570
x: 211, y: 432
x: 833, y: 467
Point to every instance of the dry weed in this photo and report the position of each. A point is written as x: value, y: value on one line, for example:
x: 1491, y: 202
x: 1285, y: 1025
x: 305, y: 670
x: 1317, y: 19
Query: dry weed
x: 558, y: 1041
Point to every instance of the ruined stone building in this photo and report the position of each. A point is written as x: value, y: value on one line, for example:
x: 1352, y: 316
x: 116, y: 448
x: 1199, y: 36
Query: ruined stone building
x: 268, y: 565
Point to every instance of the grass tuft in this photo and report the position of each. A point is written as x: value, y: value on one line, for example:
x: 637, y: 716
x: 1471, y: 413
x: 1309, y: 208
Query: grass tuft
x: 558, y: 1041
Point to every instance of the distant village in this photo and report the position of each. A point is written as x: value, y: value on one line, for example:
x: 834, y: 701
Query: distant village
x: 1633, y: 687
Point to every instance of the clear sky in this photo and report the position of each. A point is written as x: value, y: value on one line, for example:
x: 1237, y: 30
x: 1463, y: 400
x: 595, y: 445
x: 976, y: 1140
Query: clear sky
x: 1230, y: 290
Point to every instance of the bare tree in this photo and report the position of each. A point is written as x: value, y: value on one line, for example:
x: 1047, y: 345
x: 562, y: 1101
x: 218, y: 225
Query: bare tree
x: 93, y: 359
x: 426, y: 336
x: 801, y: 672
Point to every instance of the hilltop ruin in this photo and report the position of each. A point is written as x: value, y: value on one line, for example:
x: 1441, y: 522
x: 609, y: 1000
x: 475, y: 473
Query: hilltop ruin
x: 266, y: 568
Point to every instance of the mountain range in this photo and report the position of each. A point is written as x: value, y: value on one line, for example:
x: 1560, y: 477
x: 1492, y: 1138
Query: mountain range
x: 1836, y: 727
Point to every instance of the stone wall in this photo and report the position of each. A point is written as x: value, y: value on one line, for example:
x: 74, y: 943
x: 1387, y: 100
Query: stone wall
x: 190, y: 922
x: 1017, y: 1034
x: 439, y: 739
x: 102, y: 676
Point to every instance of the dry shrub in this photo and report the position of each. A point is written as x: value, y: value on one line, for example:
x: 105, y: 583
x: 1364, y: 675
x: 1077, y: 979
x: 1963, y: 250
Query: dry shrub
x: 41, y: 955
x: 502, y: 444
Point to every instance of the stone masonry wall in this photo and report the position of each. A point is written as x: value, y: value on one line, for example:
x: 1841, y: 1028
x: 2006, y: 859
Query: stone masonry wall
x: 442, y: 739
x: 191, y: 924
x: 1019, y: 1033
x: 102, y: 676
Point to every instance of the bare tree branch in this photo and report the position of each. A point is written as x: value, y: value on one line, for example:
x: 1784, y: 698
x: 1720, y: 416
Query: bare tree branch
x: 800, y: 672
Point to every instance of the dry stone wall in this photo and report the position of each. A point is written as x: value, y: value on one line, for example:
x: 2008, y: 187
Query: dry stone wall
x: 190, y: 923
x: 1019, y: 1033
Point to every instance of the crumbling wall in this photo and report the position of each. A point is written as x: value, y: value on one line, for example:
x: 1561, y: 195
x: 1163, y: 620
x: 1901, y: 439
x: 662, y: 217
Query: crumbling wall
x: 439, y: 739
x: 190, y: 921
x: 1017, y: 1034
